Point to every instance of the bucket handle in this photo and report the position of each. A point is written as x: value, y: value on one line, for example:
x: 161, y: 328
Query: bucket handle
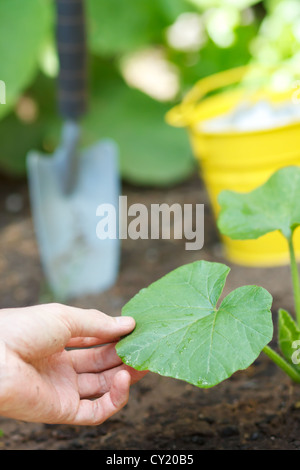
x: 179, y: 116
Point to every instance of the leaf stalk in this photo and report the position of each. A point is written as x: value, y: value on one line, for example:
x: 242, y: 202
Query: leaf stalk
x: 295, y: 278
x: 280, y: 362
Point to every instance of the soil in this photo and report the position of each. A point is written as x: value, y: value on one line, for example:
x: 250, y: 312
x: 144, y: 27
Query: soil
x: 255, y: 409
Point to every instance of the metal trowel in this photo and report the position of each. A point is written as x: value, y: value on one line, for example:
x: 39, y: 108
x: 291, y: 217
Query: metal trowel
x: 67, y: 187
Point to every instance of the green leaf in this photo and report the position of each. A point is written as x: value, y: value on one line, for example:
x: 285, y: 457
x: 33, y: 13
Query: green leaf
x: 118, y: 26
x: 213, y: 59
x: 181, y: 333
x: 25, y: 26
x: 288, y: 333
x: 36, y: 134
x: 13, y: 151
x: 273, y: 206
x: 151, y: 151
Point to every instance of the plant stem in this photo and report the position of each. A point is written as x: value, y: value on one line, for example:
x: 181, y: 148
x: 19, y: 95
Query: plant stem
x: 295, y: 278
x: 280, y: 362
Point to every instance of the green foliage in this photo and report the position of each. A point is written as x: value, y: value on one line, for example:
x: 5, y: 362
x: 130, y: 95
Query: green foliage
x: 278, y: 38
x: 180, y: 332
x: 151, y: 152
x: 273, y: 206
x: 24, y: 29
x: 212, y: 59
x: 42, y: 133
x: 119, y: 26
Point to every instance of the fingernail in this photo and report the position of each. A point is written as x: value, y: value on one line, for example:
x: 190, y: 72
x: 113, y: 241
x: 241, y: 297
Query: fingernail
x: 125, y: 321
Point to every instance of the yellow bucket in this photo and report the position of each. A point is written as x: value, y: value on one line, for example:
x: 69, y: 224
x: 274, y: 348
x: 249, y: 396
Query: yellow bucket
x: 239, y: 161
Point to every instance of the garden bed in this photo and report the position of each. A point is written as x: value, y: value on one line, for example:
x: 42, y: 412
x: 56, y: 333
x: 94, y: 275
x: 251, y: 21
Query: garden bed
x: 255, y: 409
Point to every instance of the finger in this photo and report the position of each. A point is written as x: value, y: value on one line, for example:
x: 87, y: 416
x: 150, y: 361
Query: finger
x: 45, y: 329
x: 93, y: 323
x: 82, y: 342
x: 95, y: 359
x: 97, y: 411
x: 96, y: 385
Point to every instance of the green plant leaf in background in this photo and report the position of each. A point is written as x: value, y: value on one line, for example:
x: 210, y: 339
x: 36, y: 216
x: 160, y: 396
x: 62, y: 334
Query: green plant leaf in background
x: 35, y: 133
x: 212, y: 59
x: 181, y: 333
x: 25, y: 25
x: 151, y: 151
x: 118, y: 26
x: 273, y: 206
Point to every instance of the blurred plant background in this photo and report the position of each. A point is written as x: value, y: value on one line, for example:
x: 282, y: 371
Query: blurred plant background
x: 144, y: 56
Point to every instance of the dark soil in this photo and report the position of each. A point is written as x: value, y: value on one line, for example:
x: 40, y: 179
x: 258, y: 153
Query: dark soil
x: 255, y: 409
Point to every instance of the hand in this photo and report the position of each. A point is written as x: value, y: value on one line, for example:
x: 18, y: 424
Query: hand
x: 41, y: 381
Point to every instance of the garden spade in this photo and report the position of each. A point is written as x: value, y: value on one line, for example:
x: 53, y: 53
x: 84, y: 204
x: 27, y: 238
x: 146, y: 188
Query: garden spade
x: 67, y: 188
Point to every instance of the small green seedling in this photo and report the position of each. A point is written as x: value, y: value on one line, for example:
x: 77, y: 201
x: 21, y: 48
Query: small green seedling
x: 184, y: 331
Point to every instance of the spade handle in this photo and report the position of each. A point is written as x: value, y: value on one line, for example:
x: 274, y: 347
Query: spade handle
x: 72, y: 53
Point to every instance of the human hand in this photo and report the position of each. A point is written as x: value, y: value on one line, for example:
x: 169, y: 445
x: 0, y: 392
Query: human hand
x: 42, y: 381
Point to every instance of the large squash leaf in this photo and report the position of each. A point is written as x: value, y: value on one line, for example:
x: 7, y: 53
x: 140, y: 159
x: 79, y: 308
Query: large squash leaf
x: 180, y: 332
